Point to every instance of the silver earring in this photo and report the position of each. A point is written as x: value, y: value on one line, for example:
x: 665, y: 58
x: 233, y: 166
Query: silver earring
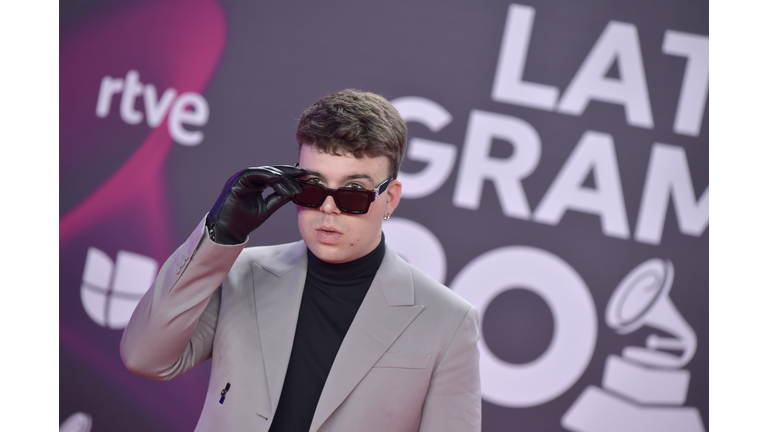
x: 387, y: 216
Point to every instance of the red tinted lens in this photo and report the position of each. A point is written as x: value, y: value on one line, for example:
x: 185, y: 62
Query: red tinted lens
x: 350, y: 200
x: 347, y: 200
x: 310, y: 196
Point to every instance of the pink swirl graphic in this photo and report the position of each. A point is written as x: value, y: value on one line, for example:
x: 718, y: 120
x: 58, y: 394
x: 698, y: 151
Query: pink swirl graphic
x: 171, y: 44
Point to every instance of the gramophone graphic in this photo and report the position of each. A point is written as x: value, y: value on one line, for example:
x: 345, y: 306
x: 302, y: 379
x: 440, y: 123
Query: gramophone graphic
x: 645, y: 388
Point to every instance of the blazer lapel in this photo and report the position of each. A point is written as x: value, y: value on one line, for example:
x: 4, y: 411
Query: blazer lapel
x: 387, y: 309
x: 278, y: 286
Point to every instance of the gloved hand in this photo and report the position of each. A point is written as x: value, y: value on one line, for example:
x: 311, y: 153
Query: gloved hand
x: 241, y: 208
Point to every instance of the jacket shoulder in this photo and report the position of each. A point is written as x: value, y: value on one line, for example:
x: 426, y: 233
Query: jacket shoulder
x: 276, y: 259
x: 429, y: 292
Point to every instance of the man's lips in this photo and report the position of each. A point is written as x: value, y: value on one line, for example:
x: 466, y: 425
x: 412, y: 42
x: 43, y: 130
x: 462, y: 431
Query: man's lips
x: 328, y: 235
x: 329, y: 230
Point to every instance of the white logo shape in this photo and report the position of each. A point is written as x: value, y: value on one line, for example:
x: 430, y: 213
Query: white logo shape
x: 416, y: 244
x: 77, y: 422
x: 110, y: 292
x: 571, y: 304
x: 643, y: 390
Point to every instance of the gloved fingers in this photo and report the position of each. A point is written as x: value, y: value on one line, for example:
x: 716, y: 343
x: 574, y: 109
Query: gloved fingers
x: 273, y: 171
x: 251, y: 182
x: 257, y: 177
x: 274, y: 201
x: 292, y: 171
x: 287, y: 186
x: 241, y: 208
x: 281, y: 178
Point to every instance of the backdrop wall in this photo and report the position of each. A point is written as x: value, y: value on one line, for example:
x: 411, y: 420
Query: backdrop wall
x: 556, y: 177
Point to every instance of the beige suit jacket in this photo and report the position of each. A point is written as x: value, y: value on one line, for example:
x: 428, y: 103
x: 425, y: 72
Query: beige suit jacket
x: 409, y: 361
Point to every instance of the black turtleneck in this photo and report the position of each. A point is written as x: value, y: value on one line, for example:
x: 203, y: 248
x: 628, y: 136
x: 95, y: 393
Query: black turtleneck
x: 332, y: 295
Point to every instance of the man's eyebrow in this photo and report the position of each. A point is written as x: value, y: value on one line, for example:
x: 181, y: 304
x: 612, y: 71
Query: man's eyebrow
x: 317, y: 174
x: 312, y: 173
x: 360, y: 176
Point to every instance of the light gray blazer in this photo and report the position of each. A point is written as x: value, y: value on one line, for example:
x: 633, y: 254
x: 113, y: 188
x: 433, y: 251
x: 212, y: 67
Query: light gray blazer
x: 409, y: 361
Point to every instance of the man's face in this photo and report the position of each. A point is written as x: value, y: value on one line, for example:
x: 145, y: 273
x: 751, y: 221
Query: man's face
x: 337, y: 237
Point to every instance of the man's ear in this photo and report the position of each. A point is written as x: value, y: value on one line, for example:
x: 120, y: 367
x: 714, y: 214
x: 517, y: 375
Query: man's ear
x: 393, y: 192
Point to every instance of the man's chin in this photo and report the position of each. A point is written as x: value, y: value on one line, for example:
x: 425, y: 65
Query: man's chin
x: 330, y: 253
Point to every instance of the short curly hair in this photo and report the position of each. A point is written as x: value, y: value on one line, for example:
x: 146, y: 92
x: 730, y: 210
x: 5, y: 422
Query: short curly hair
x: 357, y: 123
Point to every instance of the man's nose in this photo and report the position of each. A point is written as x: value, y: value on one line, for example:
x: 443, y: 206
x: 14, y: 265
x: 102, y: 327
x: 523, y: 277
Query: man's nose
x: 329, y: 206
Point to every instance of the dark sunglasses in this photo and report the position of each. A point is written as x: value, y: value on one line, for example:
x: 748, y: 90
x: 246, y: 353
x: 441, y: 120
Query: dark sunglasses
x: 347, y: 199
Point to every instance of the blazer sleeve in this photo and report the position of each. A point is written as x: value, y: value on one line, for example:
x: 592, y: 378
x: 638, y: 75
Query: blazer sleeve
x: 453, y: 401
x: 172, y: 328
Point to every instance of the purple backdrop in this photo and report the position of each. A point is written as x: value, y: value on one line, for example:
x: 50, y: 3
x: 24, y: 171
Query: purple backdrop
x: 557, y: 177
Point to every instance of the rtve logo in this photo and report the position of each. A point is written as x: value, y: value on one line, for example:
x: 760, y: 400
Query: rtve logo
x: 111, y: 290
x: 188, y: 108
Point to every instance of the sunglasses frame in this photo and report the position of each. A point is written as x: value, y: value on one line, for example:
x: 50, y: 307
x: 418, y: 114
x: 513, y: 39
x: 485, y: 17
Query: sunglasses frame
x: 371, y: 195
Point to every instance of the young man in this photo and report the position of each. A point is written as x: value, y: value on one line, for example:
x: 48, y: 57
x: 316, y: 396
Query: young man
x: 332, y: 333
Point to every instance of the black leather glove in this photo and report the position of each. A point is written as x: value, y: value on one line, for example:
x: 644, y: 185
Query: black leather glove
x: 241, y: 208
